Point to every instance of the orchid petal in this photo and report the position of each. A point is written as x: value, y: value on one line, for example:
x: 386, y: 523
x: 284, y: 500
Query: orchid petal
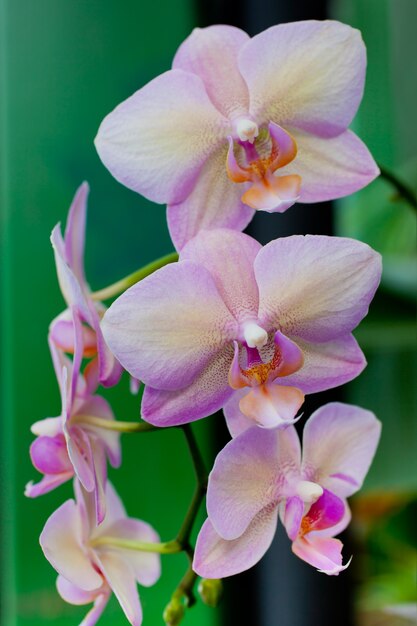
x: 274, y: 195
x: 340, y: 441
x: 236, y: 422
x: 217, y: 558
x: 156, y: 141
x: 99, y: 407
x: 81, y: 455
x: 47, y: 484
x: 145, y: 565
x: 327, y: 365
x: 121, y: 579
x: 291, y: 356
x: 100, y: 478
x: 213, y: 203
x: 62, y: 334
x: 272, y: 405
x: 69, y: 285
x: 204, y: 396
x: 73, y: 594
x: 109, y: 368
x: 325, y: 513
x: 325, y: 554
x: 307, y: 74
x: 294, y: 509
x: 248, y: 475
x: 211, y: 53
x: 49, y: 427
x: 166, y: 328
x: 316, y: 287
x: 49, y: 455
x: 331, y: 168
x: 75, y: 233
x: 228, y: 256
x: 62, y: 543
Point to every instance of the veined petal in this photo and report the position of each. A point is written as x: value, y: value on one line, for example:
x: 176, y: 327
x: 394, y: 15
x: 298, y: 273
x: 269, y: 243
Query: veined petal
x: 229, y: 257
x: 307, y: 74
x: 242, y: 482
x: 339, y: 443
x: 316, y: 287
x: 61, y: 541
x: 121, y: 579
x: 216, y: 557
x: 331, y: 168
x: 156, y: 141
x: 211, y: 53
x: 165, y: 329
x: 81, y: 455
x: 214, y: 202
x: 204, y: 396
x: 325, y: 554
x: 75, y: 233
x: 249, y: 474
x: 145, y: 565
x: 115, y: 510
x: 327, y: 365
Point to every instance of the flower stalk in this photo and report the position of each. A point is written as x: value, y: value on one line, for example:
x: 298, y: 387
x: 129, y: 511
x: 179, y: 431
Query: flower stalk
x: 124, y: 283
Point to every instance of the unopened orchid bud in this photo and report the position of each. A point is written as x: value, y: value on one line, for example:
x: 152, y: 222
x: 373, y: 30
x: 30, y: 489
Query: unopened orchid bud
x: 210, y: 590
x: 174, y: 612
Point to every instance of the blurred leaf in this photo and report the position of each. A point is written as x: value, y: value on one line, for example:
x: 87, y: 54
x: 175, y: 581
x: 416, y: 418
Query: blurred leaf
x: 384, y: 220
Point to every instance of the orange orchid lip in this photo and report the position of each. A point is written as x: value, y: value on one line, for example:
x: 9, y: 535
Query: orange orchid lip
x: 268, y: 191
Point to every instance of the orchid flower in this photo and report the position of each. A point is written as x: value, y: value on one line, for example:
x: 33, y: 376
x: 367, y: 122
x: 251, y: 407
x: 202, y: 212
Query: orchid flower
x: 71, y: 444
x: 241, y: 124
x: 89, y: 566
x: 261, y: 474
x: 69, y: 259
x: 232, y: 317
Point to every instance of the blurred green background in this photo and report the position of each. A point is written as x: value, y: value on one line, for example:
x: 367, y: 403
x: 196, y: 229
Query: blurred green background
x: 65, y: 64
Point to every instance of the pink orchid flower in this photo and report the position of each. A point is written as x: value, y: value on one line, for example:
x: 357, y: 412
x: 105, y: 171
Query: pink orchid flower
x: 89, y: 568
x: 69, y: 444
x: 69, y: 259
x: 262, y: 474
x: 241, y: 124
x: 232, y: 317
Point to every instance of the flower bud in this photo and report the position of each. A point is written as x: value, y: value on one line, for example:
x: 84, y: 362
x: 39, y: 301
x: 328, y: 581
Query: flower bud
x: 174, y: 612
x: 210, y: 590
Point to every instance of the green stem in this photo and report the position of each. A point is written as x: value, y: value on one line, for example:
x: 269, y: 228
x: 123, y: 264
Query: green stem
x: 198, y: 462
x: 121, y: 427
x: 121, y: 285
x: 403, y: 190
x: 168, y: 547
x: 186, y: 586
x: 184, y: 533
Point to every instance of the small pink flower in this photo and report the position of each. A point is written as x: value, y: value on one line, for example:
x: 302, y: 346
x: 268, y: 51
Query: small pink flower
x: 89, y: 571
x: 68, y: 444
x: 241, y: 124
x: 235, y: 322
x: 82, y: 311
x: 261, y: 474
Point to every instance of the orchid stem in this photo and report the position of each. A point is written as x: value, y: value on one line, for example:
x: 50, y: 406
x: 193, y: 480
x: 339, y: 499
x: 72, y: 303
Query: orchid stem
x: 185, y: 587
x: 168, y: 547
x: 403, y: 190
x: 121, y: 285
x: 121, y: 427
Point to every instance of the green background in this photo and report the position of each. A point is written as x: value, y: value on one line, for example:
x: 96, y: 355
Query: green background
x: 64, y: 65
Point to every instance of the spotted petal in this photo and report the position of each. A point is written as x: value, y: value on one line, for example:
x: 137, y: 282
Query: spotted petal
x: 165, y: 329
